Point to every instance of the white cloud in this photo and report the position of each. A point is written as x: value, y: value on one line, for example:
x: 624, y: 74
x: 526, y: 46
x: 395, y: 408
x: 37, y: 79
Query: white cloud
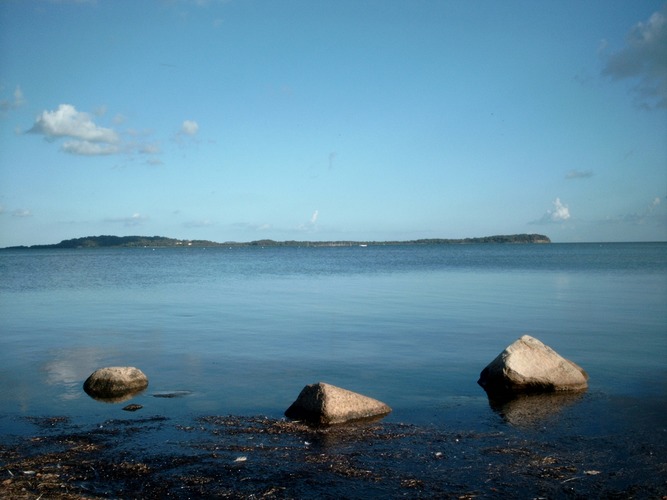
x: 190, y: 127
x: 313, y: 218
x: 86, y: 138
x: 560, y: 213
x: 66, y: 121
x: 644, y: 58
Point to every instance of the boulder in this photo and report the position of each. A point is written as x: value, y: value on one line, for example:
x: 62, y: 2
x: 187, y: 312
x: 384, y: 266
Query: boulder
x: 115, y: 383
x: 529, y: 366
x: 326, y: 404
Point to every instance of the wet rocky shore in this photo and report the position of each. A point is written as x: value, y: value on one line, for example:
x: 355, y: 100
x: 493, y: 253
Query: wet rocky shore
x: 147, y: 456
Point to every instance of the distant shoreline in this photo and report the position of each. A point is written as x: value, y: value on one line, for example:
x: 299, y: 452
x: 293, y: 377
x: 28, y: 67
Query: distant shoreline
x: 107, y: 241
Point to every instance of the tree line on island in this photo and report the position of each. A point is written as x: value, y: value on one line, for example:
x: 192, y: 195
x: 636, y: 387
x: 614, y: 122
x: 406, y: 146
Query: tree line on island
x: 107, y: 241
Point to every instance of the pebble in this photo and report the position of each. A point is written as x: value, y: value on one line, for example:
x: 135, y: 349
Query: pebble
x: 133, y: 407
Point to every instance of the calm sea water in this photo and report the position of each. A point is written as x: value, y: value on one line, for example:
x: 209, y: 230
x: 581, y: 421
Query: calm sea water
x: 242, y: 330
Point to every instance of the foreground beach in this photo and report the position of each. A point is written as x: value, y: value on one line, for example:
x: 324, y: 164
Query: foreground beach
x: 260, y: 457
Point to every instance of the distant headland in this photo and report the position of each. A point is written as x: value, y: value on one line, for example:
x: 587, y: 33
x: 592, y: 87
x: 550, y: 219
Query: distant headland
x: 164, y: 242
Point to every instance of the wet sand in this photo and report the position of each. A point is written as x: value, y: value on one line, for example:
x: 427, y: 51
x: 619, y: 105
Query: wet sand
x: 259, y: 457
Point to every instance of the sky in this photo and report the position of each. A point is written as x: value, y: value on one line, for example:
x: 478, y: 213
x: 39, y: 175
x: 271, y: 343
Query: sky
x: 314, y: 120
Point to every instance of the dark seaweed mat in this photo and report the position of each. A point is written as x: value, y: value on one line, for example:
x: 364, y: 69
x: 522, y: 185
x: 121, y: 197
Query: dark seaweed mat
x: 257, y: 457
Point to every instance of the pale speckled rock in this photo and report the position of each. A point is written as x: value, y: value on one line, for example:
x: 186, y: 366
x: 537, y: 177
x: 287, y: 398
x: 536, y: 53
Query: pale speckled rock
x: 115, y: 383
x: 326, y: 404
x: 527, y: 366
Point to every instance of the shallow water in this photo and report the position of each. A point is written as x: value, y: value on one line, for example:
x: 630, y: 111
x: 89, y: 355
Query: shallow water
x: 243, y: 330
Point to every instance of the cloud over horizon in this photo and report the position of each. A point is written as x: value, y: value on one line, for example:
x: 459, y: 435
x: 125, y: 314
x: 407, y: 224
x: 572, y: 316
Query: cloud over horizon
x: 653, y: 214
x: 560, y: 213
x: 644, y: 58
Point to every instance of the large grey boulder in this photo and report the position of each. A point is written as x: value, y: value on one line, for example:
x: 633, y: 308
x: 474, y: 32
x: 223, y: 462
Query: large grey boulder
x: 115, y: 383
x: 529, y: 366
x: 326, y: 404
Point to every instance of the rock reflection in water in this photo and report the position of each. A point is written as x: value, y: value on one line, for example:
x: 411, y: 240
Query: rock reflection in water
x: 118, y: 399
x: 531, y: 409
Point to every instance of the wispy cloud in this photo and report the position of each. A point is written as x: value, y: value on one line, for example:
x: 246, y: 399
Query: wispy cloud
x: 135, y: 219
x: 16, y: 101
x: 558, y: 214
x: 248, y: 226
x: 198, y: 223
x: 579, y: 174
x: 190, y: 127
x: 644, y: 58
x: 187, y: 133
x: 86, y: 148
x: 21, y: 212
x: 311, y: 225
x: 654, y: 214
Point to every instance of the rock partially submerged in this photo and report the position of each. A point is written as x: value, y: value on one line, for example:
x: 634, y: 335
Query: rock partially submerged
x: 326, y: 404
x: 115, y: 383
x: 529, y: 366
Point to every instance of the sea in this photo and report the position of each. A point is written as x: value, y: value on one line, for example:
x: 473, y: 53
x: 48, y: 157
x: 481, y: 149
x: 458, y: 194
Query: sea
x: 241, y: 330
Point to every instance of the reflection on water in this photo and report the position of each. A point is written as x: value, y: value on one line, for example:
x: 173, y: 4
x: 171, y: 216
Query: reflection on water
x: 68, y: 368
x: 172, y: 394
x: 528, y: 410
x: 118, y: 399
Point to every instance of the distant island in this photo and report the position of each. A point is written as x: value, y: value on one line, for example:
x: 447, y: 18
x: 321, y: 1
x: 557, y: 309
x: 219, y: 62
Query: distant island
x: 163, y: 242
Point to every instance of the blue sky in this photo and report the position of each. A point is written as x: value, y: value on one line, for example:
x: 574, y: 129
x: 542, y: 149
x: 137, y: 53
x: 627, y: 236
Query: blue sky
x: 240, y: 120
